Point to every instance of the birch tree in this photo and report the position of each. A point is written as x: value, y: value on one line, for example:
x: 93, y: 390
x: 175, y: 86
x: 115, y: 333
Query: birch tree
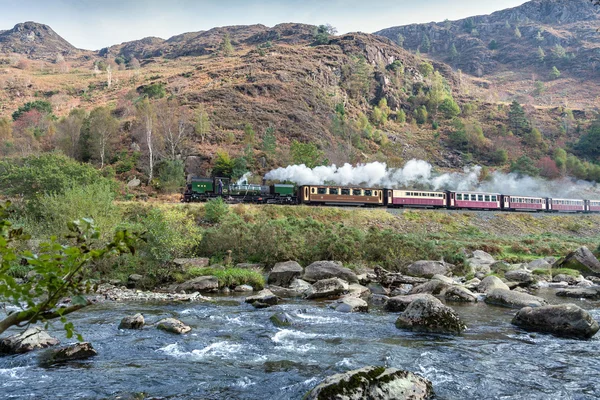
x: 146, y: 118
x: 103, y: 127
x: 173, y: 127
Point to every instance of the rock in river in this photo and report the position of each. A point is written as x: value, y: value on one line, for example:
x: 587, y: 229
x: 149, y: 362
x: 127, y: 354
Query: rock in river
x: 77, y: 351
x: 582, y: 260
x: 284, y: 273
x: 592, y: 293
x: 430, y: 315
x: 132, y: 322
x: 281, y: 319
x: 374, y: 383
x: 562, y: 320
x: 490, y: 283
x: 173, y: 325
x: 460, y: 294
x: 33, y: 338
x: 512, y: 299
x: 522, y: 276
x: 320, y: 270
x: 427, y: 269
x: 262, y: 299
x: 399, y: 303
x: 351, y: 304
x: 327, y: 288
x: 199, y: 284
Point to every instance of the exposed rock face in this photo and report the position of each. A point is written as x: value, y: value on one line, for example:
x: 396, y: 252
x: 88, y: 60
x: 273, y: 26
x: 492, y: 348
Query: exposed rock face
x: 77, y: 351
x: 427, y: 269
x: 132, y: 322
x: 262, y: 299
x: 592, y: 293
x: 430, y: 315
x: 327, y: 288
x: 281, y: 319
x: 284, y: 273
x: 562, y: 320
x: 351, y: 304
x: 33, y: 338
x: 400, y: 303
x: 512, y: 299
x: 374, y: 383
x: 173, y: 325
x: 460, y: 294
x: 490, y: 283
x: 521, y: 276
x: 328, y: 269
x: 199, y: 284
x: 582, y: 260
x: 36, y: 40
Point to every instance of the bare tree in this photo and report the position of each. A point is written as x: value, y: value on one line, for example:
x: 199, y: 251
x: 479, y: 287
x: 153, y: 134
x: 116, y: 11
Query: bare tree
x: 146, y: 117
x: 202, y: 126
x: 173, y: 126
x: 103, y: 126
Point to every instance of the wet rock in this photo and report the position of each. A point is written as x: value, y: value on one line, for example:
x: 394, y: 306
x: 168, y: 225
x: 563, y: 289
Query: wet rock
x: 427, y: 269
x: 445, y: 279
x: 300, y: 286
x: 133, y: 280
x: 132, y: 322
x: 106, y: 292
x: 580, y: 293
x: 582, y: 260
x: 286, y: 293
x: 351, y: 304
x: 77, y: 351
x: 512, y: 299
x: 281, y: 319
x: 501, y: 266
x: 243, y: 289
x: 264, y: 298
x: 490, y: 283
x: 562, y: 320
x: 434, y: 287
x: 327, y: 288
x: 593, y: 279
x: 199, y: 284
x: 395, y: 280
x: 460, y: 294
x: 284, y: 273
x: 377, y: 288
x: 367, y: 278
x: 173, y: 325
x: 185, y: 264
x: 356, y: 290
x: 481, y: 261
x: 379, y: 299
x: 522, y: 276
x: 585, y: 284
x: 571, y: 280
x: 400, y: 303
x: 401, y: 290
x: 472, y: 284
x: 430, y: 315
x: 33, y: 338
x: 540, y: 263
x: 320, y: 270
x: 374, y: 383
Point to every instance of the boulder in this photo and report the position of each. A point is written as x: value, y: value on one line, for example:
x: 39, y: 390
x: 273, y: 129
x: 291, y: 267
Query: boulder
x: 430, y: 315
x: 185, y: 264
x: 199, y: 284
x: 374, y: 383
x: 300, y: 286
x: 262, y: 299
x: 585, y: 284
x: 327, y: 288
x: 402, y: 290
x: 582, y: 260
x: 284, y: 273
x: 133, y: 280
x: 173, y: 325
x: 460, y: 294
x: 356, y: 290
x: 287, y: 293
x: 592, y: 293
x: 540, y: 263
x: 400, y: 303
x: 351, y: 304
x: 481, y: 261
x: 33, y: 338
x: 379, y: 299
x: 445, y: 279
x: 320, y: 270
x: 512, y: 299
x: 472, y: 284
x: 427, y: 269
x: 281, y: 319
x: 490, y: 283
x: 243, y: 289
x: 135, y: 182
x: 132, y: 322
x: 77, y: 351
x: 522, y: 276
x: 571, y: 280
x: 433, y: 287
x: 501, y: 266
x: 562, y: 320
x: 377, y: 288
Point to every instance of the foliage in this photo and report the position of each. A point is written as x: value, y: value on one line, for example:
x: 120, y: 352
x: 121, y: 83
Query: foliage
x: 493, y: 44
x: 559, y: 51
x: 539, y: 88
x: 231, y: 277
x: 215, y: 210
x: 589, y: 143
x: 560, y: 157
x: 554, y: 73
x: 223, y: 164
x: 171, y: 175
x: 548, y: 168
x: 202, y: 126
x: 541, y: 54
x: 43, y: 106
x: 322, y: 34
x: 154, y: 90
x: 519, y: 124
x: 425, y: 46
x: 381, y: 113
x: 449, y: 108
x: 469, y: 25
x: 421, y: 115
x: 226, y: 47
x: 453, y: 53
x: 426, y: 69
x: 356, y: 76
x: 400, y: 116
x: 307, y: 154
x: 269, y: 142
x: 517, y: 32
x: 524, y: 166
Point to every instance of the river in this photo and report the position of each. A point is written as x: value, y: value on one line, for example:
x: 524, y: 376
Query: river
x: 235, y: 352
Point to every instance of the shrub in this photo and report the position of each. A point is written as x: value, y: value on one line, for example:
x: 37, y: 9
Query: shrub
x: 43, y: 106
x: 154, y: 90
x: 171, y: 175
x: 215, y: 210
x: 231, y: 277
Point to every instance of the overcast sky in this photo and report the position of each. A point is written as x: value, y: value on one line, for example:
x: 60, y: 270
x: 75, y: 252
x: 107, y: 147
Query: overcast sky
x: 93, y: 24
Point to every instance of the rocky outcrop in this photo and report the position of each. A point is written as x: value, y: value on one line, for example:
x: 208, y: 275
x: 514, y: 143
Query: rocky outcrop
x: 173, y: 325
x: 33, y: 338
x: 512, y: 299
x: 327, y: 288
x: 592, y: 293
x: 132, y: 322
x: 320, y: 270
x: 427, y: 269
x: 582, y: 260
x: 374, y: 383
x: 460, y: 294
x: 400, y: 303
x: 284, y: 273
x: 199, y: 284
x: 490, y: 283
x: 264, y: 298
x: 430, y: 315
x: 562, y: 320
x: 77, y: 351
x: 351, y: 304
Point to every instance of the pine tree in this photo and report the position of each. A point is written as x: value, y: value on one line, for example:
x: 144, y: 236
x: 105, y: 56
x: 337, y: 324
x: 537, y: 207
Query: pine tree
x: 541, y: 54
x: 453, y: 52
x: 517, y: 33
x: 226, y: 46
x: 425, y: 44
x: 554, y: 73
x: 519, y: 124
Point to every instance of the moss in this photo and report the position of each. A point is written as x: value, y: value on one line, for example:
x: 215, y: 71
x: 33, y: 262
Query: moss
x: 362, y: 378
x: 231, y: 277
x: 565, y: 271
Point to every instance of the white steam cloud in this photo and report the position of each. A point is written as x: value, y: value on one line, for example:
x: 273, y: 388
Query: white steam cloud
x: 420, y: 174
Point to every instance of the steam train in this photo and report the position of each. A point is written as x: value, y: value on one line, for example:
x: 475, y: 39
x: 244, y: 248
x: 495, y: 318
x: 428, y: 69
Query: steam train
x: 204, y: 189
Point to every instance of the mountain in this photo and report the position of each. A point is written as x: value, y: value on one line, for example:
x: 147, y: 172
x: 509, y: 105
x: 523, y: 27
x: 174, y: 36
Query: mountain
x: 37, y: 41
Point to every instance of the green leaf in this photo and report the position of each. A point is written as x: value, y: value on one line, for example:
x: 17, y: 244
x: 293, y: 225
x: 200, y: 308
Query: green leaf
x: 79, y: 300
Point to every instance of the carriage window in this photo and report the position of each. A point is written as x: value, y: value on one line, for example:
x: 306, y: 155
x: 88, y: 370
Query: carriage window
x: 487, y: 198
x: 368, y: 192
x: 375, y: 193
x: 322, y: 191
x: 480, y: 197
x: 458, y: 196
x: 494, y: 198
x: 345, y: 192
x: 333, y: 191
x: 313, y: 190
x: 356, y: 192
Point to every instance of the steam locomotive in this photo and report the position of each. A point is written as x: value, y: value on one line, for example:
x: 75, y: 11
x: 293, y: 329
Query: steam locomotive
x: 204, y: 189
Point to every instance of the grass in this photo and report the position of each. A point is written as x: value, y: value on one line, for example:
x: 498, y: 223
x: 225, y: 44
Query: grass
x: 565, y: 271
x: 231, y: 277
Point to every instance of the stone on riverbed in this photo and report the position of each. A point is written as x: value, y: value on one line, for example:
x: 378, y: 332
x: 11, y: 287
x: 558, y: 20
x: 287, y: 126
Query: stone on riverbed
x: 399, y: 303
x: 434, y: 287
x: 320, y: 270
x: 512, y: 299
x: 562, y: 320
x: 327, y: 288
x: 431, y: 316
x: 582, y: 260
x: 33, y: 338
x: 522, y: 276
x: 350, y: 304
x: 592, y: 293
x: 481, y: 261
x: 374, y: 383
x: 284, y: 273
x: 460, y: 294
x: 490, y: 283
x: 199, y: 284
x: 263, y: 299
x: 281, y: 319
x: 243, y: 289
x: 132, y: 322
x: 427, y: 269
x: 173, y: 325
x: 77, y: 351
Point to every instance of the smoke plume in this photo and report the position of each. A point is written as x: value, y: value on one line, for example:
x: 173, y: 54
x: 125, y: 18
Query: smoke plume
x: 420, y: 174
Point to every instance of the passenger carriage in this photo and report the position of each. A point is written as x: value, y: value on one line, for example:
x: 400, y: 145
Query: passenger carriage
x: 592, y: 205
x: 341, y: 195
x: 524, y: 203
x: 416, y: 198
x: 566, y: 205
x: 474, y: 200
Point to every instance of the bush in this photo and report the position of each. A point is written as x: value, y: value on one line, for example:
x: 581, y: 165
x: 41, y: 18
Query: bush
x: 154, y: 90
x: 215, y: 210
x: 43, y: 106
x: 231, y: 277
x: 171, y: 175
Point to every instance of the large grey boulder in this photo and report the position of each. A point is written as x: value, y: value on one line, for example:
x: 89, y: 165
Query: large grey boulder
x: 298, y: 288
x: 512, y: 299
x: 373, y: 383
x: 33, y: 338
x: 434, y: 287
x: 481, y: 261
x: 400, y: 303
x: 430, y: 315
x: 522, y: 276
x: 427, y: 269
x: 320, y: 270
x: 490, y: 283
x: 356, y: 290
x: 350, y: 304
x: 132, y: 322
x: 264, y: 298
x: 327, y: 288
x: 393, y: 280
x: 77, y: 351
x: 199, y: 284
x: 591, y: 293
x: 582, y: 260
x: 562, y: 320
x: 460, y: 294
x: 540, y: 263
x: 281, y: 319
x: 284, y: 273
x: 173, y: 325
x: 569, y: 279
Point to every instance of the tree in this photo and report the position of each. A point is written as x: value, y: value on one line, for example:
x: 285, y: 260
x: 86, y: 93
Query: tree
x: 560, y: 158
x: 146, y: 117
x: 226, y: 47
x: 400, y: 40
x: 539, y: 37
x: 524, y: 166
x: 103, y: 127
x: 322, y: 33
x: 533, y: 138
x: 469, y: 25
x: 554, y: 73
x: 499, y: 156
x: 171, y: 174
x: 249, y: 134
x: 60, y: 270
x: 453, y: 54
x: 173, y: 127
x: 202, y: 126
x: 425, y: 46
x: 449, y: 108
x: 400, y: 116
x: 43, y: 106
x: 68, y: 132
x: 421, y: 115
x: 541, y: 55
x: 381, y: 113
x: 269, y: 143
x: 306, y: 153
x: 559, y: 51
x: 223, y: 165
x: 493, y: 45
x: 5, y: 129
x: 539, y: 88
x: 426, y: 69
x: 517, y: 33
x: 519, y: 124
x: 356, y: 76
x: 154, y: 91
x: 548, y: 168
x: 589, y: 144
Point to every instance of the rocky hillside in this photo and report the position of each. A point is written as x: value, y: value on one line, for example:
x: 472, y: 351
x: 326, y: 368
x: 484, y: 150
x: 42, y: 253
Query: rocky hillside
x: 37, y: 41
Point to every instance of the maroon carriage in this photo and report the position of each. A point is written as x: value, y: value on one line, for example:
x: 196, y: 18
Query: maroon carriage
x: 566, y: 205
x: 524, y: 203
x: 474, y: 200
x: 416, y: 198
